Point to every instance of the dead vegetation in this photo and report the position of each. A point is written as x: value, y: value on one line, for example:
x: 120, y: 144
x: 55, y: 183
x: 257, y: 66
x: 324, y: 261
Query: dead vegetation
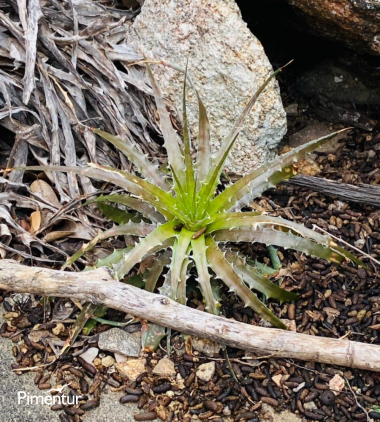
x: 64, y: 66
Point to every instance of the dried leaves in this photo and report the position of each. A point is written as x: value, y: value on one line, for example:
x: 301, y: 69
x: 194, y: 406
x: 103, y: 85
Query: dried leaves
x: 64, y: 67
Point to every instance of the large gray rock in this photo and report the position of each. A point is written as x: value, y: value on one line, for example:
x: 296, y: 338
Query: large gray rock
x: 227, y: 64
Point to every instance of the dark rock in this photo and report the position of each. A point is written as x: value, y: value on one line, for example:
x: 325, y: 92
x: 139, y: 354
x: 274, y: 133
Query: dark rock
x: 353, y: 22
x: 339, y: 84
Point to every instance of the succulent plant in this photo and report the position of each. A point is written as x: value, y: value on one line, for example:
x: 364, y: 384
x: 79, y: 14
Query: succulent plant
x: 187, y: 217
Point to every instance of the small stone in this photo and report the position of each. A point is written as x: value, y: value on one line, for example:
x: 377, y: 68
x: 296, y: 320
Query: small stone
x: 226, y: 411
x: 207, y: 347
x: 164, y: 368
x: 90, y: 354
x: 120, y: 358
x: 108, y: 361
x: 206, y: 371
x: 292, y: 109
x: 327, y: 398
x: 359, y: 243
x: 277, y: 380
x: 58, y: 329
x: 118, y: 341
x: 310, y: 406
x: 131, y: 368
x: 336, y: 384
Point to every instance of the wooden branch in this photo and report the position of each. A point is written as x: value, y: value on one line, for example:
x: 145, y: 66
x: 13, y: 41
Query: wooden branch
x: 362, y: 193
x: 99, y: 287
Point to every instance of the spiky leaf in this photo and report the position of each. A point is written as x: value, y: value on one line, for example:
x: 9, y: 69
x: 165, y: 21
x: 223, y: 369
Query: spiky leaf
x: 224, y: 270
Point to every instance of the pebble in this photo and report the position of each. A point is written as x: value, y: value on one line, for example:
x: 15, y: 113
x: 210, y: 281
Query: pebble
x: 206, y: 371
x: 207, y: 347
x: 277, y: 380
x: 336, y: 384
x: 108, y: 361
x: 310, y: 406
x: 120, y: 358
x: 90, y: 354
x: 164, y: 368
x: 132, y: 368
x: 118, y: 341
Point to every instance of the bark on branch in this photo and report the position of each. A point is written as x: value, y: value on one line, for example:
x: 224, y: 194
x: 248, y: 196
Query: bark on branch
x: 362, y: 193
x: 99, y: 287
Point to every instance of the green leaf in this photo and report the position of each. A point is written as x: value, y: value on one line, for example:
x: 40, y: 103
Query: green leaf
x: 151, y: 336
x: 276, y: 263
x: 190, y: 181
x: 285, y: 239
x: 99, y: 311
x: 264, y: 268
x: 112, y: 258
x: 204, y: 157
x: 152, y: 275
x: 180, y: 248
x: 200, y: 259
x: 236, y: 220
x: 153, y: 240
x: 136, y: 280
x: 257, y: 281
x: 212, y: 178
x: 85, y: 314
x: 145, y: 167
x: 137, y: 204
x: 181, y: 290
x: 130, y: 228
x: 117, y: 215
x: 209, y: 186
x: 159, y: 199
x: 224, y: 270
x: 268, y: 175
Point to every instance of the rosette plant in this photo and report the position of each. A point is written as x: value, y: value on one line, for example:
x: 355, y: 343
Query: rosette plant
x: 188, y: 218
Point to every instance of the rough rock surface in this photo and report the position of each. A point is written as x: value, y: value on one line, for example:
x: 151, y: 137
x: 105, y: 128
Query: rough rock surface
x: 203, y: 345
x: 131, y: 368
x: 90, y: 354
x: 164, y: 368
x: 227, y: 64
x: 206, y: 371
x: 118, y: 341
x: 354, y: 22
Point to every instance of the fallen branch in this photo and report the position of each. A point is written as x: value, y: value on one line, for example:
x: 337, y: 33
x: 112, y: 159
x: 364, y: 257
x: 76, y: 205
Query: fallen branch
x: 362, y: 193
x: 99, y: 287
